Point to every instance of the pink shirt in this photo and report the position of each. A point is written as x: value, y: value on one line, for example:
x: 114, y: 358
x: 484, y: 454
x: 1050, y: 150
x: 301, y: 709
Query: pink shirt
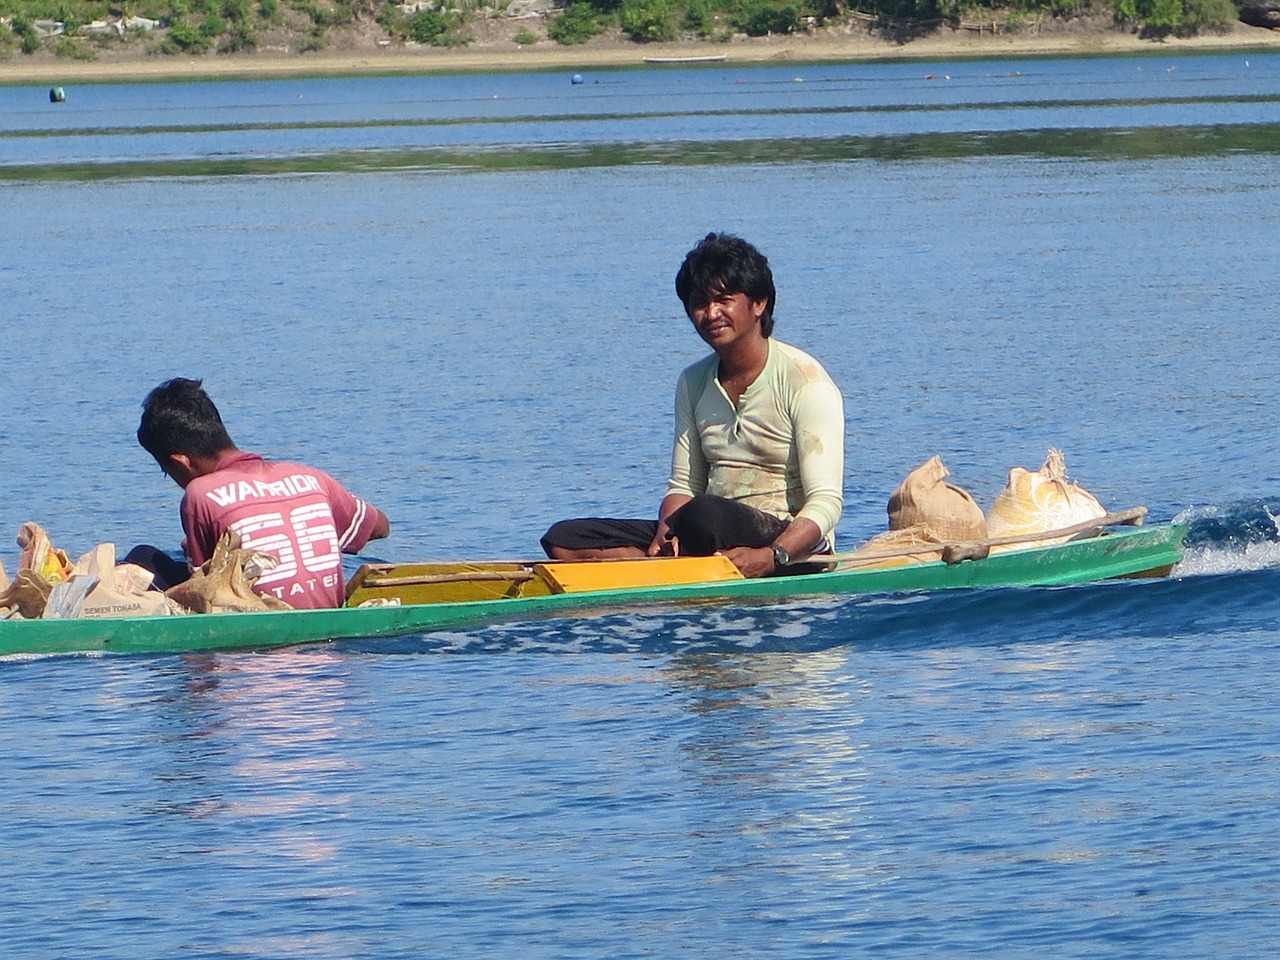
x: 298, y: 514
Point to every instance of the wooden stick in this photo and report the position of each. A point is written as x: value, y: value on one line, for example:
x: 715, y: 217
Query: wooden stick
x: 508, y: 576
x: 956, y: 551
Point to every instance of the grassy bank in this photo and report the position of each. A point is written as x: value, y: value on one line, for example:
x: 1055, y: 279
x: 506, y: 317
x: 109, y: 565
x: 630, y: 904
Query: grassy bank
x: 501, y: 43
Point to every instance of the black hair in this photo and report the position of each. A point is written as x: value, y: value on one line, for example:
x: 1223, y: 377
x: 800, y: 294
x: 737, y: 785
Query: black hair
x: 724, y: 264
x: 179, y: 417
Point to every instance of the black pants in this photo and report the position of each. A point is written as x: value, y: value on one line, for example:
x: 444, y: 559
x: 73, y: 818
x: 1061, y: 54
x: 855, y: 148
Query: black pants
x: 168, y: 572
x: 705, y: 525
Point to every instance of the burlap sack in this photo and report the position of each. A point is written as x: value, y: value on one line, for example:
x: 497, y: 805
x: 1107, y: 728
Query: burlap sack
x: 1040, y: 501
x: 225, y: 583
x: 25, y: 597
x: 934, y: 510
x: 913, y: 536
x: 924, y: 511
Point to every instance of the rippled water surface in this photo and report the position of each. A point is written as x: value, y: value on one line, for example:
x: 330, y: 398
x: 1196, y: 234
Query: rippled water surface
x: 455, y: 295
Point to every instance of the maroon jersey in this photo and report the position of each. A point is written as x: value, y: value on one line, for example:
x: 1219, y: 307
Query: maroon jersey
x: 298, y: 514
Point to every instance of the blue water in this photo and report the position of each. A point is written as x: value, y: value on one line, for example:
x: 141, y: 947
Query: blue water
x: 276, y: 118
x: 1001, y: 258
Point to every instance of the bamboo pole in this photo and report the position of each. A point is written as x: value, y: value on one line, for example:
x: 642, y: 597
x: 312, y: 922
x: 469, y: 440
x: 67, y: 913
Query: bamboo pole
x: 507, y: 576
x: 957, y: 551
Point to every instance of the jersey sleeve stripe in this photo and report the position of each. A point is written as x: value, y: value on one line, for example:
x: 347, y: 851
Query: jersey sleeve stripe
x: 357, y: 521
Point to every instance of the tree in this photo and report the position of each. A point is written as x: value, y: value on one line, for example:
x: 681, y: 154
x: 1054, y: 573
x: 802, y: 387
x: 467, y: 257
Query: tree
x: 578, y: 24
x: 648, y: 20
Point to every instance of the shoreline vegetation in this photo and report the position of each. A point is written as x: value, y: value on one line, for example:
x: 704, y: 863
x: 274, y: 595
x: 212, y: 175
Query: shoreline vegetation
x: 495, y: 50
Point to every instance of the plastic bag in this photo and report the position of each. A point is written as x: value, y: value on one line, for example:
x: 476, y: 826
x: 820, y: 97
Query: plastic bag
x: 39, y: 555
x: 99, y: 588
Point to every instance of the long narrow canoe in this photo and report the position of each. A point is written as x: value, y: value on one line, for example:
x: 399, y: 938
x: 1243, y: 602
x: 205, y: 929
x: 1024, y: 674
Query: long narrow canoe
x: 1130, y: 552
x: 710, y: 58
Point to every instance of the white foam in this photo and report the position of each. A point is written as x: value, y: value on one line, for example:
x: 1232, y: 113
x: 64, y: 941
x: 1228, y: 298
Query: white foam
x: 1254, y: 556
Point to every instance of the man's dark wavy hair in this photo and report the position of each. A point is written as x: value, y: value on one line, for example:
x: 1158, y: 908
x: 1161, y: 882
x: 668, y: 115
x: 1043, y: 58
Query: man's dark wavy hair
x: 179, y: 417
x: 724, y: 264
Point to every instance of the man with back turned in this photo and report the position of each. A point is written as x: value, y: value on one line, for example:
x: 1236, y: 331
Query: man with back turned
x: 299, y: 515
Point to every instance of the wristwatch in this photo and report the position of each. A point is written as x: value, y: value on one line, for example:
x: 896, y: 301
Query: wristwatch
x: 780, y: 556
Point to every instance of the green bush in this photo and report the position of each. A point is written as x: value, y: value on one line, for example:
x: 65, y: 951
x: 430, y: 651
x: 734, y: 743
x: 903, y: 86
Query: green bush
x: 317, y: 39
x: 212, y: 26
x: 184, y: 37
x: 390, y: 18
x: 648, y: 21
x: 526, y: 37
x: 426, y: 25
x: 700, y: 17
x: 73, y: 49
x: 1183, y: 18
x: 1207, y: 16
x: 757, y: 18
x: 578, y: 24
x: 320, y: 16
x: 1161, y: 16
x: 242, y: 37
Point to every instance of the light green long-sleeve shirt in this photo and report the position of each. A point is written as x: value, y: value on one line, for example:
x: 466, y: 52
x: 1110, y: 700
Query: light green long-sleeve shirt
x: 780, y: 450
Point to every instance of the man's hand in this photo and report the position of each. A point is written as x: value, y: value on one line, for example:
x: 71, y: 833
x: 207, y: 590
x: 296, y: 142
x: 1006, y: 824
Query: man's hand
x: 664, y: 544
x: 752, y: 562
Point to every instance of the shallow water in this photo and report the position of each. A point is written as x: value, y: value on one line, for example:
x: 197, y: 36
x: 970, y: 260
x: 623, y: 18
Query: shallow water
x: 481, y: 341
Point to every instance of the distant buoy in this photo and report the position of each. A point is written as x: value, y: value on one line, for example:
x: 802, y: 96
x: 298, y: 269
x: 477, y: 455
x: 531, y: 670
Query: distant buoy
x: 57, y: 95
x: 576, y: 79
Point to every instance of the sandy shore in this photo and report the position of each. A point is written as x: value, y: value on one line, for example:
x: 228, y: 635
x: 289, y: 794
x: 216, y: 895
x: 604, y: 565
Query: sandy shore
x: 848, y: 45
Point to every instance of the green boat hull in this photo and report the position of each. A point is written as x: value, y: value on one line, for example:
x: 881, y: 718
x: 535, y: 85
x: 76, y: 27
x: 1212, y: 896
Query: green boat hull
x: 1131, y: 552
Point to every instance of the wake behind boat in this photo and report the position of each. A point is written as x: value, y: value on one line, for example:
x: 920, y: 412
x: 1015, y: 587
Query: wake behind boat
x: 419, y: 598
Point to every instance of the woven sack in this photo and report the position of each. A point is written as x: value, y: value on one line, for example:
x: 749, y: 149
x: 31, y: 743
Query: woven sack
x: 935, y: 510
x: 1040, y: 501
x: 225, y: 583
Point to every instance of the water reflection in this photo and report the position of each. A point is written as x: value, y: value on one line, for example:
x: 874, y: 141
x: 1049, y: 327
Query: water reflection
x: 1100, y: 142
x: 773, y: 742
x: 261, y: 743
